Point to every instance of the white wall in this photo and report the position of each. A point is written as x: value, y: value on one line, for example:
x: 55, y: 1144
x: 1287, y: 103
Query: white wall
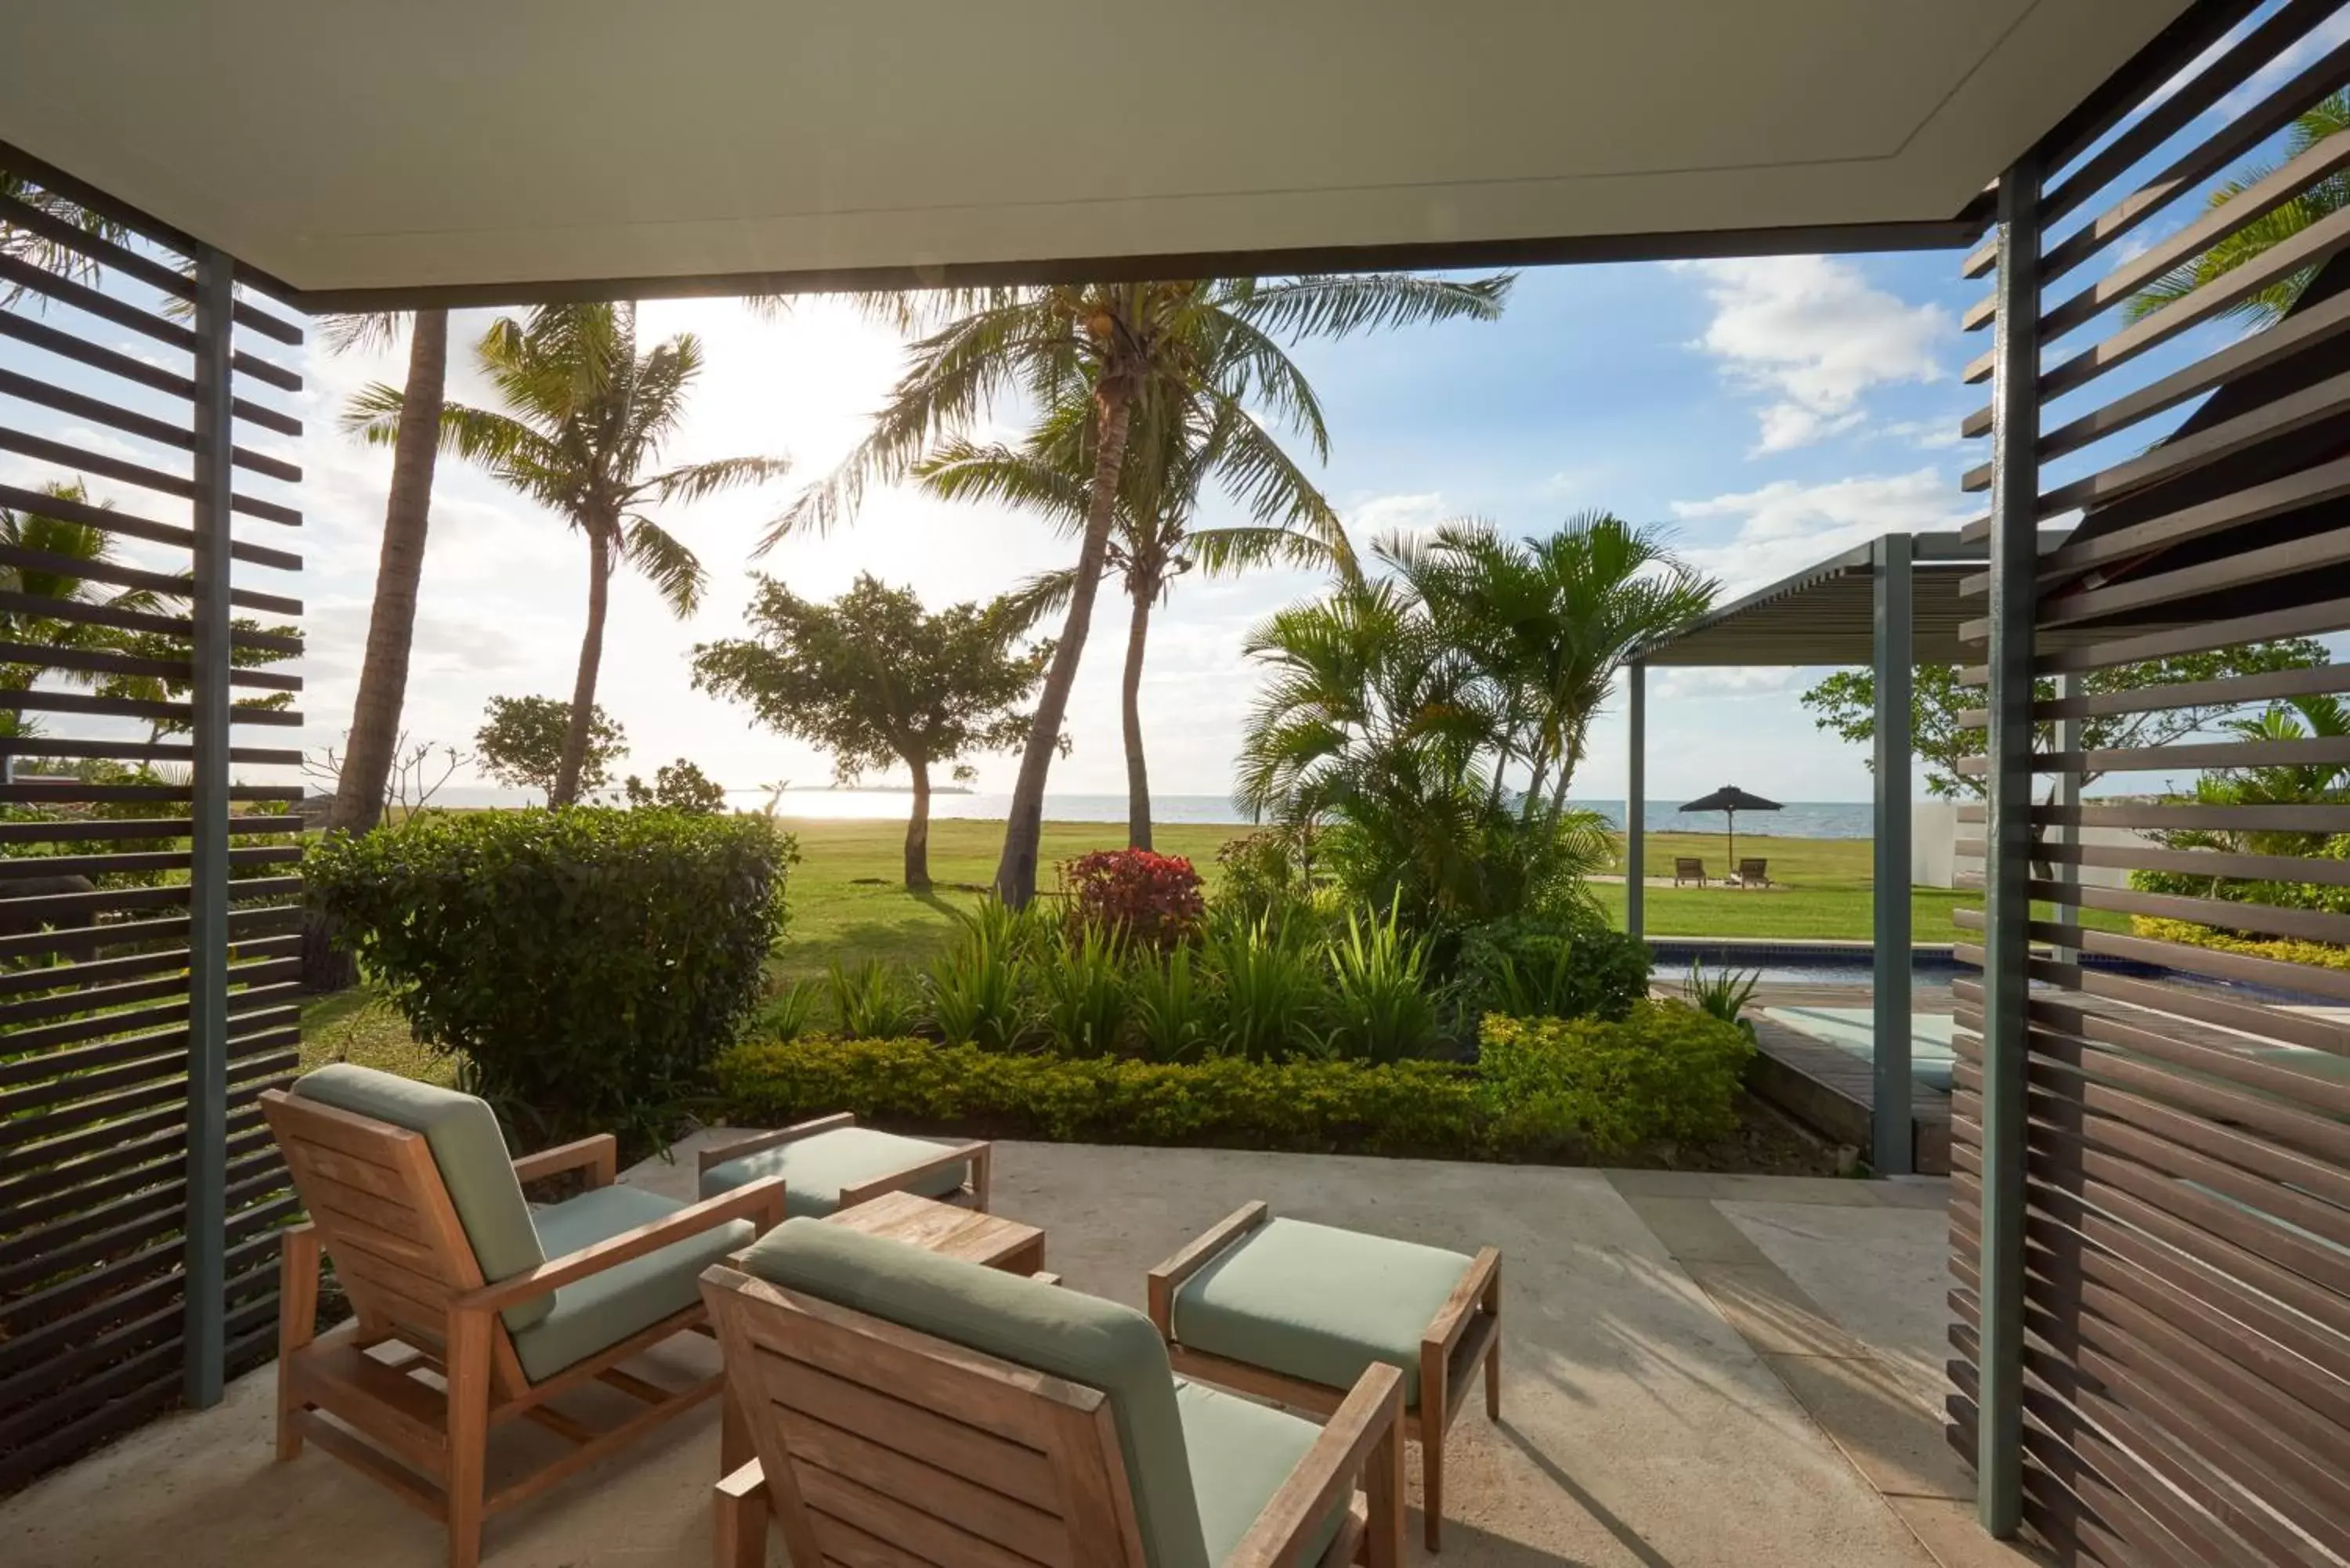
x: 1935, y: 831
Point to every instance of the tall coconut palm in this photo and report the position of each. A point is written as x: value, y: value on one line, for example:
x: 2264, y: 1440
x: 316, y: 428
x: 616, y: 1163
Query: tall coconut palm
x: 584, y: 421
x: 1169, y: 461
x: 2329, y: 116
x: 1126, y: 348
x: 399, y: 560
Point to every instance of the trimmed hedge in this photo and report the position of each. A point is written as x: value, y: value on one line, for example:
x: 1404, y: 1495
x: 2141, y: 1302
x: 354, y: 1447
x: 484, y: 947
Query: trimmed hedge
x: 2284, y: 949
x: 589, y: 963
x: 1541, y: 1095
x: 1666, y: 1073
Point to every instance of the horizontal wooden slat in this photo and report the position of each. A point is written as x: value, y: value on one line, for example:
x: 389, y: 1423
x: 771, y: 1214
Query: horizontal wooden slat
x: 2266, y: 686
x: 2302, y: 753
x: 2302, y: 621
x: 2312, y: 871
x: 242, y: 923
x: 156, y: 1159
x: 2319, y: 241
x: 126, y: 1410
x: 142, y: 827
x: 182, y: 437
x: 81, y: 350
x: 144, y: 751
x: 110, y: 520
x: 99, y: 662
x: 21, y: 983
x: 41, y: 1136
x: 2181, y: 102
x: 46, y: 1075
x: 2310, y: 1031
x: 121, y: 575
x: 136, y: 860
x: 108, y: 614
x: 2307, y: 925
x: 23, y: 275
x: 49, y: 905
x: 138, y: 707
x: 247, y: 981
x: 2217, y: 147
x: 29, y: 445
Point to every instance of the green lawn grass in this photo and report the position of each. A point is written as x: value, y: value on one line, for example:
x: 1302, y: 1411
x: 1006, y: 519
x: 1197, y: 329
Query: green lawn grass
x: 846, y: 905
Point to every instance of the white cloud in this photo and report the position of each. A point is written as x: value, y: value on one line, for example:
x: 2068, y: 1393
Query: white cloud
x: 1810, y: 336
x: 1927, y: 435
x: 1367, y: 520
x: 1786, y: 526
x: 1734, y: 682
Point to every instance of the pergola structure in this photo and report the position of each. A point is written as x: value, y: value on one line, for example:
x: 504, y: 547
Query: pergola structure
x: 2151, y: 1314
x: 1892, y: 604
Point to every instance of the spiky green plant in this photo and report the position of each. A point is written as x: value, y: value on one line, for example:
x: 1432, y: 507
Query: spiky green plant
x: 873, y: 1001
x: 1723, y: 994
x: 1173, y: 1011
x: 1269, y: 992
x: 979, y: 986
x: 1382, y: 1007
x: 1082, y: 990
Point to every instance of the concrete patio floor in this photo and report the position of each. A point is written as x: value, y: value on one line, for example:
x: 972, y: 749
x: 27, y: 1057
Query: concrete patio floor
x: 1697, y: 1370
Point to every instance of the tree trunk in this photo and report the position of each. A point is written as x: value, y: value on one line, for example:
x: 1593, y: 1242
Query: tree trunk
x: 1138, y: 771
x: 591, y: 658
x: 917, y: 831
x: 1015, y: 873
x: 368, y: 756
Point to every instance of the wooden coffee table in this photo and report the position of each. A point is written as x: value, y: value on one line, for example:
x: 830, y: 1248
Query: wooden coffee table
x: 990, y: 1241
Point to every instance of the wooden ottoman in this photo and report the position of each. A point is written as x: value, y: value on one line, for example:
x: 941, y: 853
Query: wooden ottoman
x: 1294, y: 1312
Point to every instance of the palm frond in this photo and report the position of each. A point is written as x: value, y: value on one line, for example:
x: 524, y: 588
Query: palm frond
x: 664, y: 560
x: 698, y: 480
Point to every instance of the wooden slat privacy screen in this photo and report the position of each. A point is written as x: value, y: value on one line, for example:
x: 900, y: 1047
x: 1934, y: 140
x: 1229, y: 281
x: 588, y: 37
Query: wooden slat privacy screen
x: 2150, y: 1215
x: 147, y: 899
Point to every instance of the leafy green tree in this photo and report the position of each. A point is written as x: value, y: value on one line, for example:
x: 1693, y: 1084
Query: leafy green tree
x: 2265, y: 306
x: 75, y: 555
x: 1845, y: 704
x: 525, y: 743
x: 873, y: 678
x: 1171, y: 454
x: 1125, y: 350
x: 677, y: 787
x: 585, y: 423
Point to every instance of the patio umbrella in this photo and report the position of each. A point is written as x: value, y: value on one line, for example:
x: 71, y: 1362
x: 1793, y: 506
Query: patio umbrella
x: 1731, y: 800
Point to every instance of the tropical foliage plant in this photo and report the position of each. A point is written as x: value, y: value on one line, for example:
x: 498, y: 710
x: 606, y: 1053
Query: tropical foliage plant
x: 1426, y: 722
x: 1152, y: 898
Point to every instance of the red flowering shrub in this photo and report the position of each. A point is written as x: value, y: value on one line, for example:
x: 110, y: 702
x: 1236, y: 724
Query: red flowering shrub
x: 1155, y: 898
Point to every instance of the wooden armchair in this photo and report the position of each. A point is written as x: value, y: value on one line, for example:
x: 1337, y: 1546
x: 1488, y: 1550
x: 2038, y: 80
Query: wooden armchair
x: 958, y: 1414
x: 410, y: 1191
x: 1754, y: 873
x: 831, y: 1163
x: 1687, y: 869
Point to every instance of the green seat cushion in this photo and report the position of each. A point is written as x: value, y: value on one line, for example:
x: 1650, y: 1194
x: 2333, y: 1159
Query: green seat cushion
x: 815, y: 1169
x: 604, y: 1308
x: 1082, y: 1338
x: 1241, y: 1452
x: 462, y: 1133
x: 1317, y: 1303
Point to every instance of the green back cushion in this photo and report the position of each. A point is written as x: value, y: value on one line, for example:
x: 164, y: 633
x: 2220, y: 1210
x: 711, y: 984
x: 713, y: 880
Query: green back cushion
x: 464, y: 1136
x: 814, y: 1169
x: 1078, y: 1337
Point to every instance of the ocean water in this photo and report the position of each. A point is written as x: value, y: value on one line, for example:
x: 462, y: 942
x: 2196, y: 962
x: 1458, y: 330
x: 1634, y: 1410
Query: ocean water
x: 1798, y: 819
x: 1804, y: 819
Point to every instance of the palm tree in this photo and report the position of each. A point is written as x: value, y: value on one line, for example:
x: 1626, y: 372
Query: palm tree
x: 1127, y: 349
x: 1549, y: 621
x: 399, y: 562
x: 585, y: 417
x: 1400, y: 709
x: 2328, y: 117
x: 1168, y: 462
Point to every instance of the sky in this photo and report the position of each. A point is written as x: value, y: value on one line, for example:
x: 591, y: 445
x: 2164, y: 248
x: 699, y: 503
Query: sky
x: 1765, y: 413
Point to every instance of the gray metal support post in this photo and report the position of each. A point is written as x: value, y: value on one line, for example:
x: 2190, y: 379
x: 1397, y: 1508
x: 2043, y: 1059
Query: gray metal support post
x: 206, y: 1345
x: 1891, y: 1127
x: 2007, y: 861
x: 1636, y: 812
x: 2067, y: 872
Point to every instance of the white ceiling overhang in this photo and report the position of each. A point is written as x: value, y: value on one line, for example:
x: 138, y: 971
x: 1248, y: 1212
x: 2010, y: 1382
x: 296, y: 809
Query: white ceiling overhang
x: 505, y: 147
